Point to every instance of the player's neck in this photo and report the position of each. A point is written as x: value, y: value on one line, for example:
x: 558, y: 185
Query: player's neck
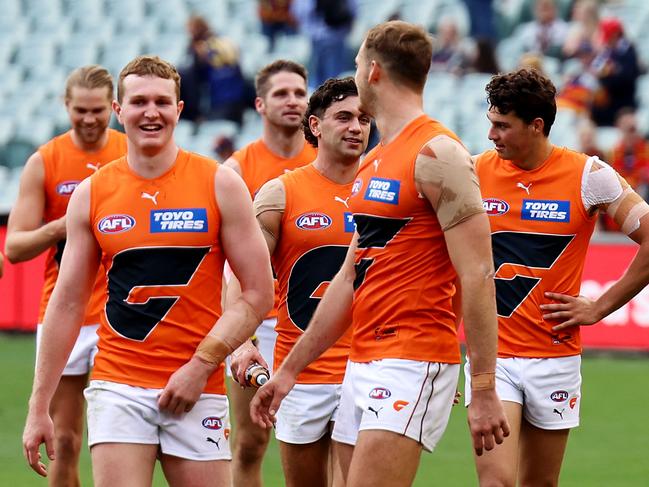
x: 87, y: 147
x: 394, y: 110
x: 282, y: 142
x: 340, y: 172
x: 539, y: 153
x: 151, y: 165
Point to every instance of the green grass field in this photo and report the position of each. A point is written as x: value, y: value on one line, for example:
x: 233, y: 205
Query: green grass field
x: 610, y: 449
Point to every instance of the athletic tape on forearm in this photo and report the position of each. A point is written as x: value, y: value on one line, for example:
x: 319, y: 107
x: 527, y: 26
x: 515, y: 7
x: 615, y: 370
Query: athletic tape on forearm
x: 484, y: 381
x: 213, y: 350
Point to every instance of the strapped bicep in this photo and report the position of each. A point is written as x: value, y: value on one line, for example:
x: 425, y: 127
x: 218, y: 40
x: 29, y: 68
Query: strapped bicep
x: 447, y: 172
x: 269, y: 205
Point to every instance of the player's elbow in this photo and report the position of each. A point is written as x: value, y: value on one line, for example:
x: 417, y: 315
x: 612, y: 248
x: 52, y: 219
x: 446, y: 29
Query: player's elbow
x: 14, y: 253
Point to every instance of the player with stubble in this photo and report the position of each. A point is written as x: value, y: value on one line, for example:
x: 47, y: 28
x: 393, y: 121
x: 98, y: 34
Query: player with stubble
x: 157, y: 389
x: 37, y: 224
x: 281, y: 101
x: 305, y: 218
x: 420, y: 226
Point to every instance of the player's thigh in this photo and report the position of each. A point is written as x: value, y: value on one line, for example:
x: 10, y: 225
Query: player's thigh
x: 244, y: 428
x: 498, y: 467
x: 341, y: 458
x: 181, y: 472
x: 123, y: 464
x: 67, y: 406
x: 541, y: 455
x: 384, y: 459
x: 306, y: 464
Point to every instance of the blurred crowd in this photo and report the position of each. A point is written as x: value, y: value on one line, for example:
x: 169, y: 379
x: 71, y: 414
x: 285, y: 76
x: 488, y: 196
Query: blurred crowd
x: 597, y: 61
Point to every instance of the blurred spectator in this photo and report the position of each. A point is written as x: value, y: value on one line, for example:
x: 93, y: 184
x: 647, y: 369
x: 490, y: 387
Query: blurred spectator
x: 450, y: 50
x: 223, y: 148
x: 587, y: 136
x: 212, y: 83
x: 531, y: 60
x: 546, y: 34
x: 617, y: 67
x: 630, y: 156
x: 484, y: 58
x: 580, y: 86
x: 328, y: 24
x: 481, y: 17
x: 582, y: 27
x: 276, y: 18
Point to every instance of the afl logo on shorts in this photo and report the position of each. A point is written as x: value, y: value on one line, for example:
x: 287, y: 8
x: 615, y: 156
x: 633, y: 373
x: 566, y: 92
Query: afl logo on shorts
x: 380, y: 393
x: 358, y: 184
x: 66, y: 188
x: 116, y: 223
x: 313, y: 221
x: 495, y: 207
x: 559, y: 396
x: 212, y: 423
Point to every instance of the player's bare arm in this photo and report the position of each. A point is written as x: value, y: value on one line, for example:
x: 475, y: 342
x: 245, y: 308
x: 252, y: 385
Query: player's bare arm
x: 269, y: 206
x: 445, y: 175
x: 233, y: 164
x: 631, y: 213
x: 247, y: 254
x: 63, y: 318
x: 330, y: 320
x: 27, y: 236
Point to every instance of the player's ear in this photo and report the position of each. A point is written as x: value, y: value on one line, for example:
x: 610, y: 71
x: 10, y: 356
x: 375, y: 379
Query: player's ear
x: 314, y: 126
x: 259, y: 104
x: 181, y: 105
x: 117, y: 109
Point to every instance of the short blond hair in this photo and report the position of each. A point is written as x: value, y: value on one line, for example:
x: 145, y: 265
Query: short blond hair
x: 148, y: 66
x: 91, y: 76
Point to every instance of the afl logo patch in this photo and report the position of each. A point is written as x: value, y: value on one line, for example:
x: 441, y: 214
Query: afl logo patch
x: 356, y: 187
x: 313, y: 221
x: 212, y: 423
x: 66, y: 188
x: 380, y: 393
x: 495, y: 207
x: 559, y: 396
x: 116, y: 224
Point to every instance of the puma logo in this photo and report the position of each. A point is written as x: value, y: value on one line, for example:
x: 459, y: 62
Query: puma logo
x: 375, y: 411
x: 522, y: 186
x: 92, y: 167
x: 343, y: 201
x: 152, y: 197
x: 560, y: 413
x: 376, y: 164
x: 210, y: 440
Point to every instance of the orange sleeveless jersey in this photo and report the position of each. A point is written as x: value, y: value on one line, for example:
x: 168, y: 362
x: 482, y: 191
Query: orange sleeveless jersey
x: 65, y: 167
x: 315, y: 233
x: 540, y: 234
x: 259, y: 165
x: 161, y: 250
x: 404, y: 277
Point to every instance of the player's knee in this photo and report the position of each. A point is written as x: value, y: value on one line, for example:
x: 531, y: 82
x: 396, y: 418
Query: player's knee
x: 250, y: 449
x: 538, y: 482
x: 68, y: 445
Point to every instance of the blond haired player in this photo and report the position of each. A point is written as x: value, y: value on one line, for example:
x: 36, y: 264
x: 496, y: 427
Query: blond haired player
x: 37, y: 224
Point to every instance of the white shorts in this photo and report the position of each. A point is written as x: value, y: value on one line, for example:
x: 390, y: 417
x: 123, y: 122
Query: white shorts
x: 305, y: 413
x: 407, y: 397
x: 119, y: 413
x: 549, y: 389
x: 266, y: 336
x: 83, y: 354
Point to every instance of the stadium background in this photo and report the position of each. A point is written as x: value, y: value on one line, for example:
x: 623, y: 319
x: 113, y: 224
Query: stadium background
x: 42, y: 40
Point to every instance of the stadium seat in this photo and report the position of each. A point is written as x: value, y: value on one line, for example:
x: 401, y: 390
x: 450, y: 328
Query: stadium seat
x: 607, y: 137
x: 6, y: 130
x: 35, y: 54
x: 75, y: 54
x: 294, y: 47
x: 118, y: 52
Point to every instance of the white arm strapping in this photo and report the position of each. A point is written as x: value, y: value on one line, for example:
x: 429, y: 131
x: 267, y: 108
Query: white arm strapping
x: 600, y: 184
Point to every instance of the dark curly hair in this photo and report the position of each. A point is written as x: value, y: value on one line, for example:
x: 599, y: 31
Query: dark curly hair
x: 330, y: 91
x: 526, y: 93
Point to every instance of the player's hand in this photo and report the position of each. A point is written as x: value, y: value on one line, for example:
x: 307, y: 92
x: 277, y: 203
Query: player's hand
x: 574, y: 311
x: 185, y: 387
x: 242, y: 357
x: 59, y: 229
x: 487, y: 421
x: 39, y: 429
x: 265, y: 403
x: 456, y: 399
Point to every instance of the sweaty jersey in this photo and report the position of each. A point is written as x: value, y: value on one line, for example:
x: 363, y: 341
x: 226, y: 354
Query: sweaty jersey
x: 540, y: 233
x: 316, y: 229
x: 65, y: 166
x: 164, y: 262
x: 259, y: 165
x: 404, y: 277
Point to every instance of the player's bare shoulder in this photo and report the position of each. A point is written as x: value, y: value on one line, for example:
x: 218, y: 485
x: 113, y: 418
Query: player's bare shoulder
x: 445, y: 173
